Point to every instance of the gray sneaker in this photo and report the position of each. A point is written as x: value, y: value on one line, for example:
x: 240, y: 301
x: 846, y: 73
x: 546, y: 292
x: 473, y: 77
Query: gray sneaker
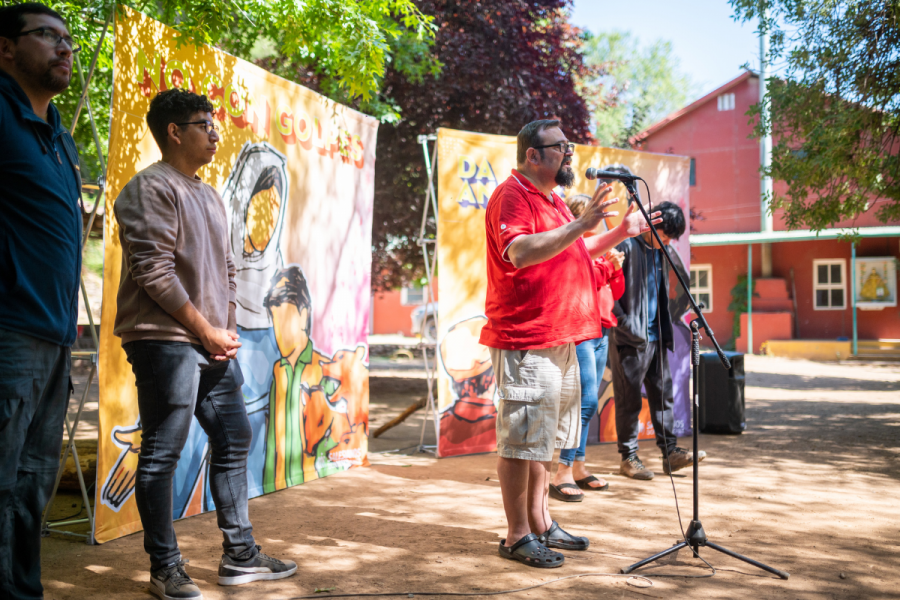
x: 172, y: 583
x: 634, y: 468
x: 680, y: 458
x: 258, y: 568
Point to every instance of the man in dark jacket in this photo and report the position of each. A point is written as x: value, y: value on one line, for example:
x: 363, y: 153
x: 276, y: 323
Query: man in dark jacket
x: 40, y: 265
x: 638, y: 354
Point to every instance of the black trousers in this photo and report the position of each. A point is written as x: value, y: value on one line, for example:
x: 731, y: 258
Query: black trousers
x: 632, y: 368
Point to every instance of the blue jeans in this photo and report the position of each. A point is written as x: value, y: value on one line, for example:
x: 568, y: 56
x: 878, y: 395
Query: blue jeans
x: 34, y: 392
x: 592, y: 362
x: 175, y: 382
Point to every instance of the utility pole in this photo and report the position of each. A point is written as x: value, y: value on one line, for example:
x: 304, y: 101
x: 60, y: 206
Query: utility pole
x: 765, y: 147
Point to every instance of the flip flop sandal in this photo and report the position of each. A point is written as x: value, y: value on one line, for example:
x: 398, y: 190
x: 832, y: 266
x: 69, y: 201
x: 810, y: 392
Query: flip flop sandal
x: 530, y: 551
x: 555, y: 492
x: 557, y: 537
x: 585, y: 484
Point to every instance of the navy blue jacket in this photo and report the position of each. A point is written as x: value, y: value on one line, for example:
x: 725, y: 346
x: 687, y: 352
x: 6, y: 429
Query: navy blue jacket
x: 40, y: 220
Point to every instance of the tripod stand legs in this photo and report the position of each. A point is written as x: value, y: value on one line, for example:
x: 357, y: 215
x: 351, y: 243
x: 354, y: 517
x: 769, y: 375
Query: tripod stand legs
x: 658, y: 556
x: 696, y: 548
x: 750, y: 561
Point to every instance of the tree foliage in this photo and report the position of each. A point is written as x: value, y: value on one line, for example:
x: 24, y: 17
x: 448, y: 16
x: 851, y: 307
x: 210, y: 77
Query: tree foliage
x: 637, y: 86
x: 505, y: 63
x: 834, y: 106
x: 346, y: 43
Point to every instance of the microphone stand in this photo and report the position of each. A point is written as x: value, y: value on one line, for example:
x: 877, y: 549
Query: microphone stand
x: 696, y: 536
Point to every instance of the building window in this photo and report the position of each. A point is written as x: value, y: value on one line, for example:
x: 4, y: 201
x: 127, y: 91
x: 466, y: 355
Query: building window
x: 701, y: 286
x: 693, y: 172
x: 726, y: 102
x: 412, y: 296
x: 829, y: 284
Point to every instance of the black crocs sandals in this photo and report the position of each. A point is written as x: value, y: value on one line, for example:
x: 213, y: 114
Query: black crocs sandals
x: 557, y: 537
x: 530, y: 551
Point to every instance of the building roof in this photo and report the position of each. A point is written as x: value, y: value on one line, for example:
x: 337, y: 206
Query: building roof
x: 800, y: 235
x: 640, y: 137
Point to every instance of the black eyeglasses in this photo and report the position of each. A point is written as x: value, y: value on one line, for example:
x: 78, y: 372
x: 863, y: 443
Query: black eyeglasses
x: 53, y: 38
x: 208, y: 126
x: 563, y: 147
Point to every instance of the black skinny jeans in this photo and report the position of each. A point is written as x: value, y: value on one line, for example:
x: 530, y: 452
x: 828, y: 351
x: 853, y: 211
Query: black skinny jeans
x: 177, y: 381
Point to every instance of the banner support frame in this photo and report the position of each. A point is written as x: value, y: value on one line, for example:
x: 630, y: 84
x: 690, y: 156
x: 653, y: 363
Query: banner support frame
x: 430, y: 266
x: 92, y: 355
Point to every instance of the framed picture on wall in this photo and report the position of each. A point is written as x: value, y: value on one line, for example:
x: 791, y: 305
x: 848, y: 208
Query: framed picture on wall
x: 875, y: 282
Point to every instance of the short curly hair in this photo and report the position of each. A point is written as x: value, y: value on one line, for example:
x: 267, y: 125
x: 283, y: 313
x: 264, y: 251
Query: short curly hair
x: 174, y: 106
x: 673, y: 224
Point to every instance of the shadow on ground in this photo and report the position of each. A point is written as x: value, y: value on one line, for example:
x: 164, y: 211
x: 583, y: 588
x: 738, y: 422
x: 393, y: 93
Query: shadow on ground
x: 810, y: 488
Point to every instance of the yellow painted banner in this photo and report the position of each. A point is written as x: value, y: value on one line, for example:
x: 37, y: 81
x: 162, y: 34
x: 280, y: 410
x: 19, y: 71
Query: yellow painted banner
x: 296, y: 173
x: 469, y: 168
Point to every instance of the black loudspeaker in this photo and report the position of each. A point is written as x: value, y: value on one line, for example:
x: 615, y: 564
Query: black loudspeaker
x: 721, y: 394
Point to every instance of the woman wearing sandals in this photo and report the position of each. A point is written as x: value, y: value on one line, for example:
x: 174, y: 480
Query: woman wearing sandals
x: 571, y: 474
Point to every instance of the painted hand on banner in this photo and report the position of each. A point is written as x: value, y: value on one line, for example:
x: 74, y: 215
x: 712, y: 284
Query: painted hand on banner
x: 121, y: 480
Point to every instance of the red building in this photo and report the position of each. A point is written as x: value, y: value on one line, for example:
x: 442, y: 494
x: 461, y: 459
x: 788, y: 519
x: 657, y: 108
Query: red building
x: 804, y: 283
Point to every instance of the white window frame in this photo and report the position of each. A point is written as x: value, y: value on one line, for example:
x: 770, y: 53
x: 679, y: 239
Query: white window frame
x: 708, y: 289
x: 829, y: 286
x: 725, y: 101
x: 405, y: 293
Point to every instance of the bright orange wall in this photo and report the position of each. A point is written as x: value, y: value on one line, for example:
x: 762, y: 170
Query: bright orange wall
x: 389, y: 316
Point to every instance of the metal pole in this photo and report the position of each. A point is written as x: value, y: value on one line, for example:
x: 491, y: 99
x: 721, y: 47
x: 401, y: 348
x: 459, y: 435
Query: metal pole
x: 853, y: 294
x: 90, y: 76
x: 749, y: 298
x: 430, y: 263
x: 765, y: 142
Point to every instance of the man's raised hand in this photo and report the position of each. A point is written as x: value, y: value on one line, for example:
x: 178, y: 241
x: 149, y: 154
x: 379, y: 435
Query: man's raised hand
x: 595, y: 211
x: 635, y: 224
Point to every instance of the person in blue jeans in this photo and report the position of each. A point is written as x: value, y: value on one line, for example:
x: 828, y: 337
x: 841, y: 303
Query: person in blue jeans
x: 571, y: 473
x: 40, y: 267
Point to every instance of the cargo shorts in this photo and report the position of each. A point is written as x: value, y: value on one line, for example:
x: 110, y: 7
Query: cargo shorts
x: 539, y: 406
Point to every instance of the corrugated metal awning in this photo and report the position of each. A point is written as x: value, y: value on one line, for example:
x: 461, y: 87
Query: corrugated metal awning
x: 734, y: 239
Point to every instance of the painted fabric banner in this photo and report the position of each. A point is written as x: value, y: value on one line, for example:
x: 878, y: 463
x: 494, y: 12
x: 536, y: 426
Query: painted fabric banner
x: 295, y: 171
x: 470, y: 166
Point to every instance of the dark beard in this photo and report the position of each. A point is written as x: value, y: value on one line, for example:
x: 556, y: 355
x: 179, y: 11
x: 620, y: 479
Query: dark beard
x: 45, y: 79
x: 564, y: 178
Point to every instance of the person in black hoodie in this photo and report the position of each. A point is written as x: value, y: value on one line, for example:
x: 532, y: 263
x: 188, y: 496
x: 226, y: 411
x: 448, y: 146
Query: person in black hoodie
x: 40, y: 267
x: 639, y: 348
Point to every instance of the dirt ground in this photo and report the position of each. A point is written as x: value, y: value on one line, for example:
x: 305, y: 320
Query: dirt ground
x: 811, y: 487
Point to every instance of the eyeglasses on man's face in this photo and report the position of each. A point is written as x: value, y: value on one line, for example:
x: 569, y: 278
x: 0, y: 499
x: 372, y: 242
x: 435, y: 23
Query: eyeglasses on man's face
x: 51, y: 37
x: 561, y: 147
x: 208, y: 126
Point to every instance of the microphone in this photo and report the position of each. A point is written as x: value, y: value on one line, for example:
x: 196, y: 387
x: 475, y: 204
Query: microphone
x: 593, y: 173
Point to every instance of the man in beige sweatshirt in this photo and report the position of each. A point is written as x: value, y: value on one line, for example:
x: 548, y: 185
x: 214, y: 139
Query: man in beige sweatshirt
x: 176, y: 318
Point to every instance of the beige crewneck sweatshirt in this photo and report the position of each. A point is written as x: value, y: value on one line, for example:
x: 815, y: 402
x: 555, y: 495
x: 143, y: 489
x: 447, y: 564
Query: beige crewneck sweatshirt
x: 174, y: 235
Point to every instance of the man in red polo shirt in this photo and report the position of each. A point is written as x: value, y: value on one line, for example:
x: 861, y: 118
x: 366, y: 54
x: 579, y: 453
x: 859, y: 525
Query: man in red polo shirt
x: 541, y: 301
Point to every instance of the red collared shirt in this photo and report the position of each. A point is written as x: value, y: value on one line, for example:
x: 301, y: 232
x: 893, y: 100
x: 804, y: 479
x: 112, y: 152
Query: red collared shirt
x: 548, y: 304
